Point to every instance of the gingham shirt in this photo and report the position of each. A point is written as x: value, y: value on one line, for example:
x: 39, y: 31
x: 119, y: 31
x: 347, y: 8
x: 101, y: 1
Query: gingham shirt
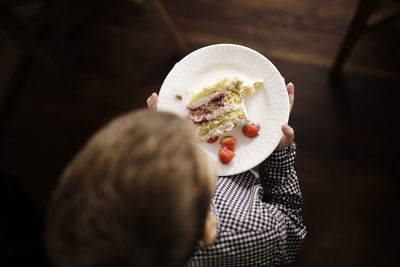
x: 258, y: 217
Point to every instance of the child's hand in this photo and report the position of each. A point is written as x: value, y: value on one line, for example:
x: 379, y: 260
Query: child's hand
x: 288, y: 137
x: 288, y: 132
x: 152, y: 101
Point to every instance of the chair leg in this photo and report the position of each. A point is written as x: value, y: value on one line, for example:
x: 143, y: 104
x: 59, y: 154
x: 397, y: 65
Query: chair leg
x: 15, y: 84
x: 157, y: 7
x: 51, y: 9
x: 356, y: 28
x: 18, y: 32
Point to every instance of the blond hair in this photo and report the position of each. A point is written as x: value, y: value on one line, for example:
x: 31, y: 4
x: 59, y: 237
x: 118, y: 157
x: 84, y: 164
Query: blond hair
x: 135, y: 195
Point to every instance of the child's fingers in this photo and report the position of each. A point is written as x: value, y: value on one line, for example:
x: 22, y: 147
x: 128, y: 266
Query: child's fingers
x: 288, y: 137
x: 152, y: 101
x: 288, y: 132
x: 290, y: 89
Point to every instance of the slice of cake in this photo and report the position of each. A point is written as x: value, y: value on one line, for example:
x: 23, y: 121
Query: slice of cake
x: 219, y: 108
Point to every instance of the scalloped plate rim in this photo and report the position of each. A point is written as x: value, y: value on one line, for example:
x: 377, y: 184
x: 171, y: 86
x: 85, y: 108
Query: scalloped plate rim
x: 181, y: 66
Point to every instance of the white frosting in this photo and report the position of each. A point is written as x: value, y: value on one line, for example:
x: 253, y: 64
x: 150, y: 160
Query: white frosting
x: 226, y: 127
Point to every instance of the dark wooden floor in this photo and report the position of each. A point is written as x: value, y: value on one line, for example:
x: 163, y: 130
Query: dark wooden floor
x: 348, y: 161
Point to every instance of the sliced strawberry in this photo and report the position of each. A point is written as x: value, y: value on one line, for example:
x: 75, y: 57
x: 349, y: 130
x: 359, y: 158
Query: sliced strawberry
x: 251, y: 130
x: 225, y: 155
x: 228, y: 142
x: 212, y: 140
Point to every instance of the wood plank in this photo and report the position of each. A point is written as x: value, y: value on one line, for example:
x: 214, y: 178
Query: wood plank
x: 347, y: 159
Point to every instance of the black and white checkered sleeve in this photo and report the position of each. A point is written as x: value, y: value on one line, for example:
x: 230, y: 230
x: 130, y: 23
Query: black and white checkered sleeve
x: 281, y: 190
x: 258, y: 221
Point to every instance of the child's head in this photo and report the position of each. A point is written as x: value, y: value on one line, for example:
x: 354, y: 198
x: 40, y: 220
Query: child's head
x: 137, y: 194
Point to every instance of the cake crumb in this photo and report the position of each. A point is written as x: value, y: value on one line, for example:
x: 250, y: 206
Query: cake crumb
x: 257, y: 84
x: 178, y: 97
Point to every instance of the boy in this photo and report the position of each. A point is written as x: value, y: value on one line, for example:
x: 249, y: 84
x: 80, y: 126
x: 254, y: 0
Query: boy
x: 257, y: 212
x: 138, y: 195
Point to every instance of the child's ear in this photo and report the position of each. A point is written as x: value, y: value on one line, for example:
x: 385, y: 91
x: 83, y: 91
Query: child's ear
x: 210, y: 229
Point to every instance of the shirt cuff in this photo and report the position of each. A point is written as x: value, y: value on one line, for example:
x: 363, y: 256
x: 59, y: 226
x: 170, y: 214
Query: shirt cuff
x: 281, y: 158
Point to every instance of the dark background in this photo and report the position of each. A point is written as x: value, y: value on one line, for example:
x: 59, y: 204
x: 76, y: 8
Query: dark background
x: 106, y: 57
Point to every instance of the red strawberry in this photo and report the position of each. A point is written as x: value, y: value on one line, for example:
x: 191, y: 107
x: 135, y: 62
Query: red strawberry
x: 251, y: 130
x: 225, y: 155
x: 212, y: 140
x: 229, y: 142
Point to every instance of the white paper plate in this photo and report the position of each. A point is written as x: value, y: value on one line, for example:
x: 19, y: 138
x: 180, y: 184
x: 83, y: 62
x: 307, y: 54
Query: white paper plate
x: 268, y: 106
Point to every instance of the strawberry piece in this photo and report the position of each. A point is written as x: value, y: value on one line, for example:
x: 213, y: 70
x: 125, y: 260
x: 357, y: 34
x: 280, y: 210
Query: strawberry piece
x: 225, y: 155
x: 229, y: 142
x: 251, y: 130
x: 212, y: 140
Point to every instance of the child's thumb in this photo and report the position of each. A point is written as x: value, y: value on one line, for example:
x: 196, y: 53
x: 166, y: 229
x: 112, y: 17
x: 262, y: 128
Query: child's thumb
x: 288, y: 137
x: 152, y: 101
